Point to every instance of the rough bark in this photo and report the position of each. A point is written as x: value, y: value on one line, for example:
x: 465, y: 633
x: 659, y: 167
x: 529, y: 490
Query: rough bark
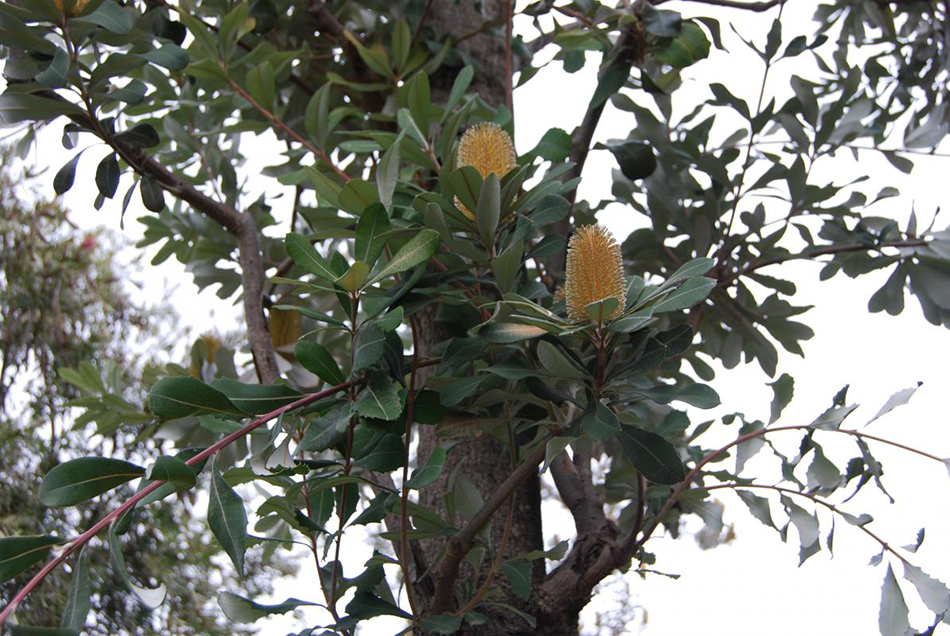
x: 484, y: 460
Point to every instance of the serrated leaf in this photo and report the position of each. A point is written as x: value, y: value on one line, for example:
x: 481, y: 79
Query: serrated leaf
x: 379, y: 398
x: 81, y: 479
x: 898, y: 399
x: 783, y: 389
x: 933, y: 593
x: 758, y: 506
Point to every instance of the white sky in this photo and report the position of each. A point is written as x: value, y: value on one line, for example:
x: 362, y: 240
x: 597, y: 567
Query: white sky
x: 752, y: 585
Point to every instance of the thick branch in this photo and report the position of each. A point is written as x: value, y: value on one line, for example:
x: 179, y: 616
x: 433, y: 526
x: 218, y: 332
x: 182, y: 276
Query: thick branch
x: 243, y: 229
x: 448, y: 568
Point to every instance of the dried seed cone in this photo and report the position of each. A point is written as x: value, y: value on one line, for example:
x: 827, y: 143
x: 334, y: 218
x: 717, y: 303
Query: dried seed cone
x: 487, y: 148
x: 77, y: 7
x: 594, y: 271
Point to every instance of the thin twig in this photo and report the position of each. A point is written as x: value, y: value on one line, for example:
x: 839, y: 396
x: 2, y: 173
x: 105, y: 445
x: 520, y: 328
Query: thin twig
x: 816, y: 500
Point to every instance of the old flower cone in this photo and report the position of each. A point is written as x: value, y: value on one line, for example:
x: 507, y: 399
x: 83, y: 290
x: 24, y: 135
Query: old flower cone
x: 594, y: 271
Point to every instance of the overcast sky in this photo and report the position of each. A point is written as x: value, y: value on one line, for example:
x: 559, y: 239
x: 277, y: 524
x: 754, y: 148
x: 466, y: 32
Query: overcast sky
x: 751, y: 586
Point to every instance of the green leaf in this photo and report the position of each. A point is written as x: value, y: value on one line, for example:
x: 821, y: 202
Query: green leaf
x: 441, y: 623
x: 318, y: 360
x: 306, y: 256
x: 507, y: 266
x: 370, y: 233
x: 367, y: 605
x: 173, y: 398
x: 758, y: 506
x: 600, y: 310
x: 81, y: 479
x: 555, y: 146
x: 356, y: 195
x: 170, y: 56
x: 378, y: 508
x: 664, y: 24
x: 898, y: 399
x: 379, y: 398
x: 66, y: 176
x: 557, y: 363
x: 686, y: 295
x: 933, y: 593
x: 636, y: 158
x: 633, y: 322
x: 256, y: 399
x: 892, y: 618
x: 227, y: 518
x: 19, y: 107
x: 488, y: 212
x: 509, y: 332
x: 428, y: 474
x: 352, y: 281
x: 19, y: 553
x: 698, y: 395
x: 141, y: 136
x: 687, y: 48
x: 652, y: 456
x: 317, y: 117
x: 174, y: 471
x: 107, y: 176
x: 111, y: 17
x: 387, y: 174
x: 415, y: 252
x: 369, y: 346
x: 388, y: 453
x: 610, y: 81
x: 599, y: 421
x: 462, y: 81
x: 420, y: 101
x: 56, y: 75
x: 783, y: 389
x: 241, y: 610
x: 401, y: 44
x: 153, y: 197
x: 77, y: 599
x: 518, y: 574
x: 466, y: 184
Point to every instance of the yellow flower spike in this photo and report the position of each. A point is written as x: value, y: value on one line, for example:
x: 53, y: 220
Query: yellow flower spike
x: 594, y: 271
x: 487, y: 148
x: 78, y: 6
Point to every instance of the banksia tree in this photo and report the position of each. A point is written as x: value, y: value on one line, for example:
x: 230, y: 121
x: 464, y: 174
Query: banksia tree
x: 434, y: 373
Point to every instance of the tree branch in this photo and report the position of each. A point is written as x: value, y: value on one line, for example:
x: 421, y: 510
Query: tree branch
x: 821, y: 251
x: 736, y: 4
x: 82, y: 539
x: 457, y: 546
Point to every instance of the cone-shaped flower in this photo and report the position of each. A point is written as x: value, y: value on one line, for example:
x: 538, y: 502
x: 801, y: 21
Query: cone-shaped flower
x: 594, y: 271
x: 487, y: 148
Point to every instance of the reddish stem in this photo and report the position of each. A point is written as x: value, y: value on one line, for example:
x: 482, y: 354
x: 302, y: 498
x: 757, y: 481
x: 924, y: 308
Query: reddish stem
x: 137, y: 497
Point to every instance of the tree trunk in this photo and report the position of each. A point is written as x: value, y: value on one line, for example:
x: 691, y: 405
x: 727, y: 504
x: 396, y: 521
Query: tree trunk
x: 483, y: 459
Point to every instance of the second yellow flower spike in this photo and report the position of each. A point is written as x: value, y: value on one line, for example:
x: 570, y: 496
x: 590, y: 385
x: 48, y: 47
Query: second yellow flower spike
x: 487, y: 148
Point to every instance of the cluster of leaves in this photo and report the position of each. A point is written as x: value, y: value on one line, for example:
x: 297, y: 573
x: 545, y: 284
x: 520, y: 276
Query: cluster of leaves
x: 384, y: 242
